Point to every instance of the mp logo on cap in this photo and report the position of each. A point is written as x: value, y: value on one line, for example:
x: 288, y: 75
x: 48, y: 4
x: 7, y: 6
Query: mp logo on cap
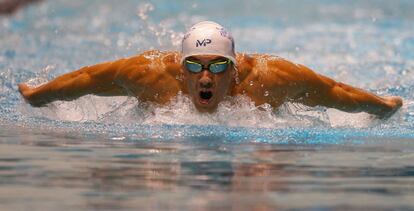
x: 203, y: 42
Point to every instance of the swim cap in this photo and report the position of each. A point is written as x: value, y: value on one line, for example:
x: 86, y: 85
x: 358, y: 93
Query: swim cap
x: 208, y: 38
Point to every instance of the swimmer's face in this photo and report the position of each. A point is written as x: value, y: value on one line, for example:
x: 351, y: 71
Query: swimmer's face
x: 208, y: 89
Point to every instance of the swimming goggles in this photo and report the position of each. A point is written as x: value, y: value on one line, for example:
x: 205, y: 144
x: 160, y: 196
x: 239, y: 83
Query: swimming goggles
x: 214, y: 67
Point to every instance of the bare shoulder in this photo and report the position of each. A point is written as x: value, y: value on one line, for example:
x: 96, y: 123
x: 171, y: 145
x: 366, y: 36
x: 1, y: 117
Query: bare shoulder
x: 150, y: 63
x: 155, y: 58
x: 267, y: 68
x: 152, y: 75
x: 166, y: 57
x: 268, y: 78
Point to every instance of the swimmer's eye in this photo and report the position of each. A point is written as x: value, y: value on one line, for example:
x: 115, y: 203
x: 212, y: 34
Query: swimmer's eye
x: 215, y: 67
x: 219, y: 67
x: 193, y: 67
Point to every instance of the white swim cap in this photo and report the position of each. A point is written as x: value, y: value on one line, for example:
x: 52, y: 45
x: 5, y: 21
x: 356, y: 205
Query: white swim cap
x: 208, y: 38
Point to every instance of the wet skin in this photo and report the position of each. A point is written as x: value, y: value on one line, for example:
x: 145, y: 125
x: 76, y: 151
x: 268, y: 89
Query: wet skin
x: 207, y: 89
x: 158, y: 77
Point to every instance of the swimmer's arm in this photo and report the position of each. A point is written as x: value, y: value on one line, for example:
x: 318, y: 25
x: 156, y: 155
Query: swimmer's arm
x: 99, y: 80
x: 321, y: 90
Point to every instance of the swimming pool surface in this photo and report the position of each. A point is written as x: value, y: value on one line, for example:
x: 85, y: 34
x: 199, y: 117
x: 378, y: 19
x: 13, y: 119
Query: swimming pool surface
x: 116, y: 153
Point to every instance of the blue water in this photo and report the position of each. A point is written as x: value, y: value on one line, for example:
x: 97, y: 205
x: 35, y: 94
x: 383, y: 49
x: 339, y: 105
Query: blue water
x: 118, y: 153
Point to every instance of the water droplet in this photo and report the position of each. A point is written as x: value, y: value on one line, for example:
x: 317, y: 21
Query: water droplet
x: 251, y: 83
x: 144, y: 10
x: 237, y: 81
x: 266, y: 93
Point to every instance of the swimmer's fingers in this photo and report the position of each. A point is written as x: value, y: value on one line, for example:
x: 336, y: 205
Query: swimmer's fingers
x: 394, y: 103
x: 24, y: 90
x: 27, y: 92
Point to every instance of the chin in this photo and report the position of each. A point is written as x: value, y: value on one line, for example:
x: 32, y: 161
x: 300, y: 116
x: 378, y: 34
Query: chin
x: 206, y: 108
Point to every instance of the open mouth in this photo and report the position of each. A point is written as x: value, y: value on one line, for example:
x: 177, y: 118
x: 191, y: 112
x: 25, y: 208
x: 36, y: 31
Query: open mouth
x: 205, y: 96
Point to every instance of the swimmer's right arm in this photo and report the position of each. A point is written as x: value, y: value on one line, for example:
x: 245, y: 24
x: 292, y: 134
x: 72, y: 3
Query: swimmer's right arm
x: 99, y: 79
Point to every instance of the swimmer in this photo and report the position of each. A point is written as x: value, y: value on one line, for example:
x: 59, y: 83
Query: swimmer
x: 208, y: 70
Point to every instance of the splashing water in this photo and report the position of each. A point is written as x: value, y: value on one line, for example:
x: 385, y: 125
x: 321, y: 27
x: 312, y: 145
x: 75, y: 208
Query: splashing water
x: 120, y: 153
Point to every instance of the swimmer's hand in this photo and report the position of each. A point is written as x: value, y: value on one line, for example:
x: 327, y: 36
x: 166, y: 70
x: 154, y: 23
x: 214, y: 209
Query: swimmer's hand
x: 27, y: 94
x: 394, y: 103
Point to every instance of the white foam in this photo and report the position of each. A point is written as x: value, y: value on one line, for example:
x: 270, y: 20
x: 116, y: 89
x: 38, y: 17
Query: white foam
x: 237, y: 111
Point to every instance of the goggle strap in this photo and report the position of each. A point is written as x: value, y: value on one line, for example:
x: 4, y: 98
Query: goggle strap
x: 223, y: 62
x: 191, y: 62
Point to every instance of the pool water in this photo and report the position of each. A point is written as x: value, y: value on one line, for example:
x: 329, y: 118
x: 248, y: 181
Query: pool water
x: 108, y: 153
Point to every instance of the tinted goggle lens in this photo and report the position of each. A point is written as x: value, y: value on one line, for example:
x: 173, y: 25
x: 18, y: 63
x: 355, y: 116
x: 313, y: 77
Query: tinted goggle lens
x: 193, y: 66
x: 216, y: 67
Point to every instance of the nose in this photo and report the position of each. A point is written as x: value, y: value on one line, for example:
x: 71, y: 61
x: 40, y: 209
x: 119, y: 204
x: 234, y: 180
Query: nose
x: 205, y: 81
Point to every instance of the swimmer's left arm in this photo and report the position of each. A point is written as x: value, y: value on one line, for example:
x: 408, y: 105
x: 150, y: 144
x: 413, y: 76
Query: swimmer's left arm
x: 324, y: 91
